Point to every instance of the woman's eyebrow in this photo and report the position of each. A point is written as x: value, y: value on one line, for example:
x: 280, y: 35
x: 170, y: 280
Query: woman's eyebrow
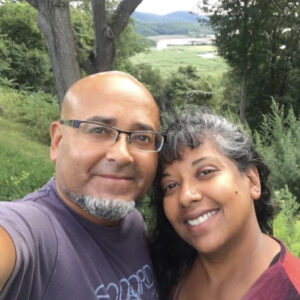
x: 165, y: 175
x: 197, y: 161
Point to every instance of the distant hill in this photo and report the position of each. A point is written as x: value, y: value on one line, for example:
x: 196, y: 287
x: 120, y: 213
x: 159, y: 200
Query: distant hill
x: 176, y: 16
x: 175, y: 23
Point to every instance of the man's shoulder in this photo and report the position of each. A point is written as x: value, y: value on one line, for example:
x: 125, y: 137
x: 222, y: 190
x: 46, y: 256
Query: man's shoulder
x: 27, y: 213
x: 44, y: 192
x: 135, y: 218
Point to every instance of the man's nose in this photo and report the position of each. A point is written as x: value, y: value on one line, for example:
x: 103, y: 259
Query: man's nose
x: 189, y: 194
x: 119, y: 151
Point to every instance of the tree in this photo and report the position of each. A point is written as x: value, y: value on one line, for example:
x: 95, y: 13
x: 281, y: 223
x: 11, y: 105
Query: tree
x: 251, y: 36
x: 54, y: 20
x: 238, y: 25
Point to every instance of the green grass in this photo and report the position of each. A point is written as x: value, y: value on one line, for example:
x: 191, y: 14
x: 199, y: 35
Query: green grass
x: 13, y: 135
x: 24, y: 165
x: 169, y: 59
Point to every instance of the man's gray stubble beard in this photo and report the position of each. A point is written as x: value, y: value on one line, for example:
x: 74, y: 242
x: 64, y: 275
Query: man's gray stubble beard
x: 102, y: 208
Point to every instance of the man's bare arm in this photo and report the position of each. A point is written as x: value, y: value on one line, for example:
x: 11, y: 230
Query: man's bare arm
x: 7, y: 256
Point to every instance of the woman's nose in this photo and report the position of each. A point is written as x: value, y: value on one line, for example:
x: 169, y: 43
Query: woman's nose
x: 189, y: 193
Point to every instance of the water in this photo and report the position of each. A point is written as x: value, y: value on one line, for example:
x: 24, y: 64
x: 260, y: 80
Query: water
x: 181, y: 41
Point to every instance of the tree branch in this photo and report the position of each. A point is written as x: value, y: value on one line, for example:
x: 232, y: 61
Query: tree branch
x: 122, y: 14
x: 33, y: 3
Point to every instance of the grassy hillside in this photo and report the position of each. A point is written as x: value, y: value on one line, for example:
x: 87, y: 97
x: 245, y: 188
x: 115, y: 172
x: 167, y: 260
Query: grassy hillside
x: 24, y: 164
x: 24, y: 138
x: 12, y: 137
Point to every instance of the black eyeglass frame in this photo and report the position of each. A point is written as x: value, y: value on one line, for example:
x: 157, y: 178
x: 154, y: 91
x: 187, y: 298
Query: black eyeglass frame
x: 76, y: 124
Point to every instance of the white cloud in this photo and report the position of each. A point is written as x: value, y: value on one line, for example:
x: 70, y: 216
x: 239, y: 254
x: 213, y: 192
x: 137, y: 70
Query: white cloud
x: 163, y: 7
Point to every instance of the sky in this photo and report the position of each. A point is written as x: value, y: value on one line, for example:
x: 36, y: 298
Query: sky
x: 162, y: 7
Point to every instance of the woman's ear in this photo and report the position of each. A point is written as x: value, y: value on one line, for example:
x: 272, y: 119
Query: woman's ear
x: 255, y: 187
x: 56, y: 136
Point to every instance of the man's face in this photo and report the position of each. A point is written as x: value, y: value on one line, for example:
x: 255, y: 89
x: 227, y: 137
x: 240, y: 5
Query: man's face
x: 116, y: 171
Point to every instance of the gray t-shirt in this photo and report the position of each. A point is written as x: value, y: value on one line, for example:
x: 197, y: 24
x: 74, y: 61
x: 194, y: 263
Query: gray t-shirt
x: 62, y: 256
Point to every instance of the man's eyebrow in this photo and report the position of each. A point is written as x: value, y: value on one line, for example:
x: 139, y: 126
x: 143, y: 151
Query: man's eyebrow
x: 112, y: 122
x: 143, y: 127
x: 100, y: 119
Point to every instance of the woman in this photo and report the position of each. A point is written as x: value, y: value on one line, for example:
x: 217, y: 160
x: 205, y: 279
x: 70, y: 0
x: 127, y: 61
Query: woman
x: 214, y: 215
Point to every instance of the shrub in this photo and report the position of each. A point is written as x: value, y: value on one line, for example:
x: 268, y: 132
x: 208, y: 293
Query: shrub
x: 150, y: 77
x: 286, y: 225
x: 278, y: 140
x: 186, y: 87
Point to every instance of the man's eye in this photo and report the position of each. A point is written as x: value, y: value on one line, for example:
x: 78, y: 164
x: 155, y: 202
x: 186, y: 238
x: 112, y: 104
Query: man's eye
x: 98, y: 130
x: 142, y: 138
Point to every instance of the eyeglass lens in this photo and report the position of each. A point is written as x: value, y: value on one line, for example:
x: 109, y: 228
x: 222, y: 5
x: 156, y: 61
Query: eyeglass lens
x: 98, y: 133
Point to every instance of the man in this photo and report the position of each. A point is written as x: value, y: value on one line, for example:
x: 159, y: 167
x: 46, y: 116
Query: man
x: 79, y: 237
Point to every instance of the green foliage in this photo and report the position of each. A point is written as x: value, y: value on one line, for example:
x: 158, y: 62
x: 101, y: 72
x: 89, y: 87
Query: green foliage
x: 180, y: 87
x: 186, y: 87
x: 286, y: 225
x: 18, y: 21
x: 278, y: 141
x: 35, y: 110
x: 151, y: 78
x: 82, y: 23
x: 146, y: 209
x: 23, y: 56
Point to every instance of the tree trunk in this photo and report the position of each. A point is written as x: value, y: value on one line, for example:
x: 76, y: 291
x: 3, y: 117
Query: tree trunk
x: 243, y: 99
x: 108, y: 31
x: 104, y: 37
x: 55, y: 23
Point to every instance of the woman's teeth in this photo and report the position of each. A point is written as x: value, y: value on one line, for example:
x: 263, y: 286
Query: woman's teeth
x: 202, y: 218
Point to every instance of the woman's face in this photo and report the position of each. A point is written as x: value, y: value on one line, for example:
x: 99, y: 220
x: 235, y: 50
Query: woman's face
x: 208, y: 200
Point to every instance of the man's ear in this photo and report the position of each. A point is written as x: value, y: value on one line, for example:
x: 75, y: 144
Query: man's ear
x: 255, y: 187
x: 56, y: 137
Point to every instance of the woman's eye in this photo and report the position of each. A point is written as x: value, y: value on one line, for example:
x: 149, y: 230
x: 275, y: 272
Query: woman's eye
x: 206, y: 172
x: 169, y: 187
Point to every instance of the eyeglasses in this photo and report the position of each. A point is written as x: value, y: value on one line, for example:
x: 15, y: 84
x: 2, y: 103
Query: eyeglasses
x: 100, y: 133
